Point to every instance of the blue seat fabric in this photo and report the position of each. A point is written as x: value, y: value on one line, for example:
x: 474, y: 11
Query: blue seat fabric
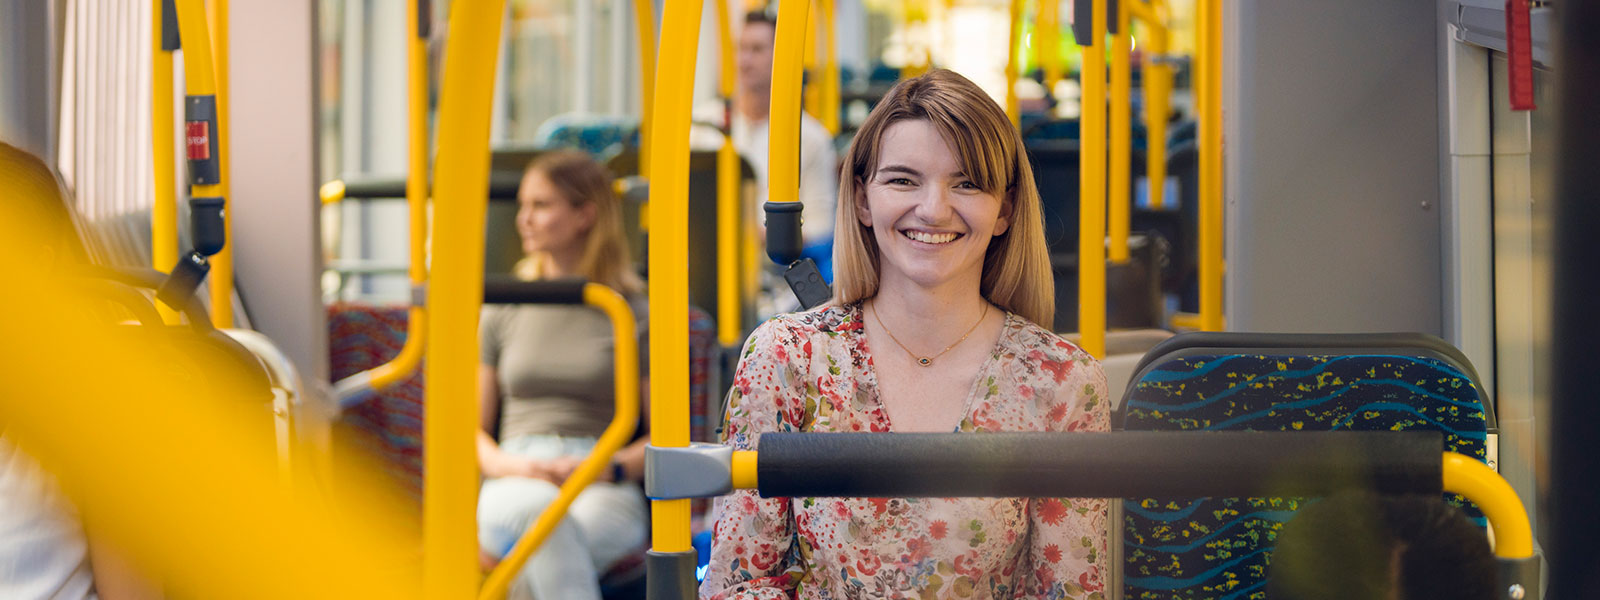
x: 1221, y: 547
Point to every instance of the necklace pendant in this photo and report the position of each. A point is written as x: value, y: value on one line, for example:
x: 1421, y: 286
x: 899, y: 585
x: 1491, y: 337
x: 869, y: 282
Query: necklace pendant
x: 924, y: 361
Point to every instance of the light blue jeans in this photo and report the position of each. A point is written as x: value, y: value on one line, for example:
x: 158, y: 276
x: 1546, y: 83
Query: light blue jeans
x: 604, y: 524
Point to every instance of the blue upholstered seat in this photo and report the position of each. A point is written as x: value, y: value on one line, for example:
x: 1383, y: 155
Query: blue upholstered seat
x: 1221, y: 547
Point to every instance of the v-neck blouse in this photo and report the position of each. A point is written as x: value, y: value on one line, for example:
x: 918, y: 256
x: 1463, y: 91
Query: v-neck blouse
x: 811, y: 372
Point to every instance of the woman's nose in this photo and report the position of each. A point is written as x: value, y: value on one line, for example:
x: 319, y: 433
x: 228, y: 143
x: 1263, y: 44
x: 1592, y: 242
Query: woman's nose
x: 935, y: 206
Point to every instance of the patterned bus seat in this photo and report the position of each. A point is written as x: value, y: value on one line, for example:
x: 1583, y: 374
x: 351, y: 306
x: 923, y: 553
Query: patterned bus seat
x: 1194, y: 548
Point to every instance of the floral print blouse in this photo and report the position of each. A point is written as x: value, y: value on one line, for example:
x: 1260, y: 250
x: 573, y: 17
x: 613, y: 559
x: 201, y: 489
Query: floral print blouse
x: 812, y: 372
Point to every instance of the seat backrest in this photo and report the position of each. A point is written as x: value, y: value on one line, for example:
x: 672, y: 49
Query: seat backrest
x: 1221, y: 547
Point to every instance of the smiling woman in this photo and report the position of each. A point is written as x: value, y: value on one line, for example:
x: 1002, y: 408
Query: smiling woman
x: 941, y: 268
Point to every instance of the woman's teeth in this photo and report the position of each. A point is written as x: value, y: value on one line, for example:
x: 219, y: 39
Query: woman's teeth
x: 930, y: 238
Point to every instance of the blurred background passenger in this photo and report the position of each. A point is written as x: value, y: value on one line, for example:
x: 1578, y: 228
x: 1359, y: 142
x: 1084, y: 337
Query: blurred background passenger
x: 819, y: 174
x: 1364, y: 545
x: 546, y: 377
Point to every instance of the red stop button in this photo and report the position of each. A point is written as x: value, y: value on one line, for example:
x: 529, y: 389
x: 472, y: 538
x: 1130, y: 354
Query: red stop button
x: 198, y: 140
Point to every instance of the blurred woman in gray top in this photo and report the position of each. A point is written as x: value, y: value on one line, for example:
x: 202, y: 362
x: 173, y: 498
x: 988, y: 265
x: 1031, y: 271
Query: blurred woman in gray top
x: 546, y: 371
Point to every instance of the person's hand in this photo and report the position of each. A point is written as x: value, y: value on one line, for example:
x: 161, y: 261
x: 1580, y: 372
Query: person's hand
x: 511, y: 465
x: 567, y: 465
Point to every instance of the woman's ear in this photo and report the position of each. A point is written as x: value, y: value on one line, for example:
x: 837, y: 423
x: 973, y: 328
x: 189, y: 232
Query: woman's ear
x: 1002, y: 223
x: 863, y: 212
x: 590, y: 212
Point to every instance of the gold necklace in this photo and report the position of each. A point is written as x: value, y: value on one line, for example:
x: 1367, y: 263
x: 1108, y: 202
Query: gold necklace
x: 928, y: 360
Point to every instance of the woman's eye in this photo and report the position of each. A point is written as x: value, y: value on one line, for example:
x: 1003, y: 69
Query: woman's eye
x: 967, y: 185
x: 898, y: 181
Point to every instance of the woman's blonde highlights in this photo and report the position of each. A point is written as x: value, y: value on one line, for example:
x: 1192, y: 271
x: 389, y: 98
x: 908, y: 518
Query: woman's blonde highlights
x: 1016, y: 267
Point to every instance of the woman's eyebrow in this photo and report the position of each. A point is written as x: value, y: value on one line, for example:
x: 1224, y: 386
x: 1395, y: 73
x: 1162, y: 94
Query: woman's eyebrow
x: 900, y: 169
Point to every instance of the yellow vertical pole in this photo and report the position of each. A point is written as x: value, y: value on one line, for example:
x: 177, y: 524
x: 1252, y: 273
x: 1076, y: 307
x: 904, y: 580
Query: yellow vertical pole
x: 669, y: 255
x: 417, y: 180
x: 730, y: 305
x: 644, y: 15
x: 1012, y: 69
x: 1047, y: 38
x: 164, y: 213
x: 461, y: 181
x: 813, y: 103
x: 1092, y: 190
x: 1157, y: 100
x: 221, y: 277
x: 1211, y: 184
x: 830, y: 68
x: 1121, y: 195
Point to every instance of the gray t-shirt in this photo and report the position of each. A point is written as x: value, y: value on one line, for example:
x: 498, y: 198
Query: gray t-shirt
x: 554, y: 367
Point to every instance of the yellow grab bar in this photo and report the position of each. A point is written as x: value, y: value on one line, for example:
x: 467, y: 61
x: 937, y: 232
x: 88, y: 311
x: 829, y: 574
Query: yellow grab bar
x: 1210, y: 95
x: 830, y: 68
x: 624, y: 422
x: 1513, y: 538
x: 644, y: 16
x: 220, y: 281
x: 164, y: 212
x: 1121, y: 196
x: 669, y: 254
x: 1157, y: 98
x: 730, y: 306
x: 200, y: 81
x: 1047, y: 32
x: 1092, y: 190
x: 1012, y: 70
x: 461, y: 181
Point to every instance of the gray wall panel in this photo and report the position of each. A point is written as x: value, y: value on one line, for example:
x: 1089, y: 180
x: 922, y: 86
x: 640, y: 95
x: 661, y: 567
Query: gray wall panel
x: 274, y: 203
x: 1332, y: 166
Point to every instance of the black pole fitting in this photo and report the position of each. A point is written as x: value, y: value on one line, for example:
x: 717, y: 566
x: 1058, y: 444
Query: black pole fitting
x: 784, y: 243
x: 185, y: 278
x: 206, y: 224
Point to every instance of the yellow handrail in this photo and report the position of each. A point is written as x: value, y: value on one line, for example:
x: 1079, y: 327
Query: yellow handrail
x: 830, y: 69
x: 1513, y: 538
x: 669, y: 253
x: 1210, y: 99
x: 730, y: 305
x: 812, y: 100
x: 624, y: 422
x: 1121, y: 195
x: 164, y: 212
x: 405, y: 363
x: 220, y: 280
x: 1157, y: 96
x: 200, y: 81
x: 644, y: 16
x: 1047, y: 49
x: 461, y: 181
x: 1092, y: 190
x: 1012, y: 69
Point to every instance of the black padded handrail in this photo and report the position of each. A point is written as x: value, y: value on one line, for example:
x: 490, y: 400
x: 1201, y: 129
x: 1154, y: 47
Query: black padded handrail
x: 502, y: 186
x: 1103, y: 465
x: 507, y: 290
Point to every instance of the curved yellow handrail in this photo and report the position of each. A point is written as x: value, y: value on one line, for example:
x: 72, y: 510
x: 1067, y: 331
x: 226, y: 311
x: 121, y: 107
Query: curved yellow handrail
x: 1513, y: 538
x: 623, y: 423
x: 164, y: 211
x: 461, y: 182
x: 669, y: 254
x: 1092, y: 190
x: 1121, y: 172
